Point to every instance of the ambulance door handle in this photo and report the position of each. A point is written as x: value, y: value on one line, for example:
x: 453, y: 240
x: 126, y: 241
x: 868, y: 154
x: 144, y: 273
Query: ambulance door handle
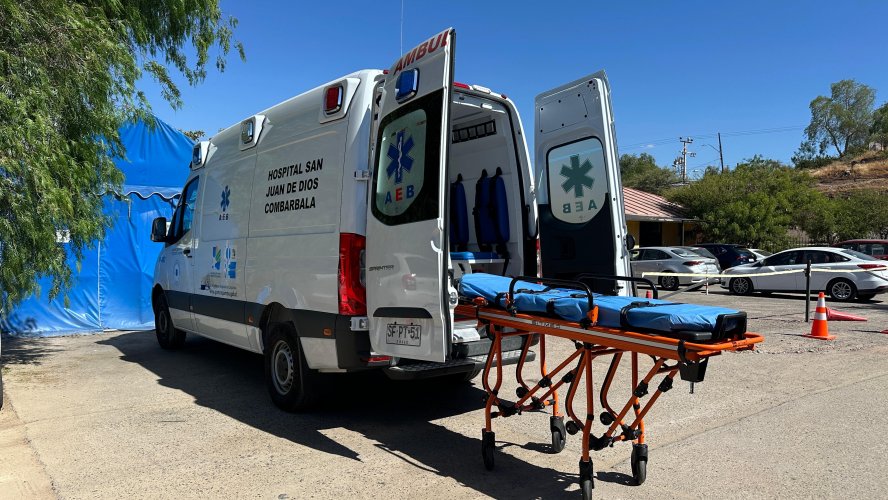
x: 187, y: 252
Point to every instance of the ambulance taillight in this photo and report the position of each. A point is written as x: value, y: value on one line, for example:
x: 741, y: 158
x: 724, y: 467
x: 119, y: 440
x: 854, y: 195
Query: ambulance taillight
x: 352, y: 281
x: 333, y: 99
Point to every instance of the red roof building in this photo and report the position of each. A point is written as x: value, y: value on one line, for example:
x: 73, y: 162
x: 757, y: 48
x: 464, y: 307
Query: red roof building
x: 655, y: 221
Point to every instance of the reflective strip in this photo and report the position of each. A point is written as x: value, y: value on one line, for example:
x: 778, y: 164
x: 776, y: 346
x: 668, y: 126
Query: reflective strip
x: 772, y: 273
x: 819, y: 316
x: 596, y: 333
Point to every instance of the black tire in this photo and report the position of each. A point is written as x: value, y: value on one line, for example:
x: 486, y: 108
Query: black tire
x: 488, y: 448
x: 841, y: 290
x: 167, y: 335
x: 1, y: 386
x: 586, y: 479
x: 741, y: 286
x: 639, y: 463
x: 669, y: 282
x: 559, y: 433
x: 586, y: 489
x: 863, y: 297
x: 292, y: 385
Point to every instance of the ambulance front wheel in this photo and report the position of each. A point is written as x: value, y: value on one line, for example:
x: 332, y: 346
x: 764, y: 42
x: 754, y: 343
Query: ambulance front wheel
x: 291, y: 383
x: 167, y: 335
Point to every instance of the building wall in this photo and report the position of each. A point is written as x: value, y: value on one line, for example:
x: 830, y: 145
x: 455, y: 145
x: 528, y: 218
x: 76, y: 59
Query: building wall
x: 671, y: 233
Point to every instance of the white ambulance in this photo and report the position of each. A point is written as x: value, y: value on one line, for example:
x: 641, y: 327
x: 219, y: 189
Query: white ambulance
x: 326, y: 232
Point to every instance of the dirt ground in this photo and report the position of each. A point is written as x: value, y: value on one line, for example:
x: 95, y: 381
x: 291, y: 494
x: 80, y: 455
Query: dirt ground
x: 111, y: 415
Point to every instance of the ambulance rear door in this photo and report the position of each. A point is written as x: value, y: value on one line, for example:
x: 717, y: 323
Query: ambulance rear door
x: 406, y: 256
x: 582, y: 227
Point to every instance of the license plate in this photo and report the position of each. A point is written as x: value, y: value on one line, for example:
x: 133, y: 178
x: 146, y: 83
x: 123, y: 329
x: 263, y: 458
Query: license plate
x: 403, y: 334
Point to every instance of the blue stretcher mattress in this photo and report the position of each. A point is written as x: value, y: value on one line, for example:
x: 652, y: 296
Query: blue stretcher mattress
x: 572, y: 305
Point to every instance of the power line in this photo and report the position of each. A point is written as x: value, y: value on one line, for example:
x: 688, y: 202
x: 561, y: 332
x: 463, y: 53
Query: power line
x: 740, y: 133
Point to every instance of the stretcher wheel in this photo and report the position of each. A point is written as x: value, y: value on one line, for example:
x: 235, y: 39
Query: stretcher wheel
x: 586, y: 483
x: 559, y: 433
x: 488, y: 447
x: 572, y: 427
x: 639, y: 463
x: 606, y: 418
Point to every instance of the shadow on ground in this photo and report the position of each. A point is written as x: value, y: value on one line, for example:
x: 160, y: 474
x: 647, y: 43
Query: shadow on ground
x: 26, y: 350
x: 397, y: 415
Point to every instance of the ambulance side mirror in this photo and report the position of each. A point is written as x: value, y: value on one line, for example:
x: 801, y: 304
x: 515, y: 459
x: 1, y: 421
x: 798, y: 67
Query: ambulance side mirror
x: 159, y: 230
x: 630, y: 242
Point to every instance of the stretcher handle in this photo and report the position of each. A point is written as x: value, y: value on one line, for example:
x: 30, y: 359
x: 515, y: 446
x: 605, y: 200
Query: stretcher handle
x: 574, y: 285
x: 593, y: 277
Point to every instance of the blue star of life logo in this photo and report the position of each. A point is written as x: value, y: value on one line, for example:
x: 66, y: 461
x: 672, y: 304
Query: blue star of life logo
x: 577, y: 176
x: 398, y: 152
x: 226, y: 195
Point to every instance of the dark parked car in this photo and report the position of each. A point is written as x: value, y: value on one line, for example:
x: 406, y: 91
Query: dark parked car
x: 876, y: 248
x: 729, y: 255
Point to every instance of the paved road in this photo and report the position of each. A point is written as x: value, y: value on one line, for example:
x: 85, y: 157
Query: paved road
x: 109, y: 415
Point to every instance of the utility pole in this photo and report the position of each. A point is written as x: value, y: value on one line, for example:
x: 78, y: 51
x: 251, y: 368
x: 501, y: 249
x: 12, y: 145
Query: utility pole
x: 684, y: 158
x: 721, y: 156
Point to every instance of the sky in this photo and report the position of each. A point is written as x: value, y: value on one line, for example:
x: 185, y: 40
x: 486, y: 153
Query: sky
x: 694, y: 68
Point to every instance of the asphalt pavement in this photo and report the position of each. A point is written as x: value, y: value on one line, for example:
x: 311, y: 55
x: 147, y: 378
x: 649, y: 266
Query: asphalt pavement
x: 108, y: 415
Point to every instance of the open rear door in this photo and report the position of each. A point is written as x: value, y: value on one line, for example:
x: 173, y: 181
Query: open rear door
x: 582, y: 223
x: 406, y: 257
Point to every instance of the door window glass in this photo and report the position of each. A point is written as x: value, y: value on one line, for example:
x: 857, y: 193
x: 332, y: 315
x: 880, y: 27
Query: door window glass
x: 577, y: 180
x: 408, y: 162
x: 784, y: 259
x: 189, y: 195
x: 659, y: 255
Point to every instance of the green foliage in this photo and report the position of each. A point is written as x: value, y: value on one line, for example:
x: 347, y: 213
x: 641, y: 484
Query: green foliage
x: 194, y: 135
x: 754, y: 204
x: 843, y: 120
x: 862, y: 214
x: 68, y: 80
x: 879, y: 129
x: 808, y: 156
x: 641, y: 172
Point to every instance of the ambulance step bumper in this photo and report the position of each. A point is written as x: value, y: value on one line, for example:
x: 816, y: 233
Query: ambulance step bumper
x: 427, y: 369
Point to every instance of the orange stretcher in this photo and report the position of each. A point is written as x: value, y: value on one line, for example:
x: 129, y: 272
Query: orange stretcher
x: 670, y: 355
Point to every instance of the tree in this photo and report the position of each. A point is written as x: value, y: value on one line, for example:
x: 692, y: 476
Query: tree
x: 879, y: 129
x: 68, y: 83
x: 194, y: 135
x: 861, y: 214
x: 641, y: 172
x: 754, y: 204
x: 843, y: 120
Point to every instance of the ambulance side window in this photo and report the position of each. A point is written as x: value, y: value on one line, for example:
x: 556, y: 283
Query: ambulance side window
x: 408, y: 152
x: 183, y: 217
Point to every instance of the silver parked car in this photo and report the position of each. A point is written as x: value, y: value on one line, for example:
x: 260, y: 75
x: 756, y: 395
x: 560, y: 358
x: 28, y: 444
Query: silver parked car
x: 672, y: 260
x: 864, y: 275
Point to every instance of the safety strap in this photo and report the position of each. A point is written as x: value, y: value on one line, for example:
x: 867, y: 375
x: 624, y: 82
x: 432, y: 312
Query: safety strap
x: 624, y: 312
x: 493, y: 212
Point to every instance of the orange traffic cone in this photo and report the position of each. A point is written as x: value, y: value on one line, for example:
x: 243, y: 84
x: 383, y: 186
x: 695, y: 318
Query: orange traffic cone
x: 649, y: 295
x: 819, y: 329
x: 832, y: 315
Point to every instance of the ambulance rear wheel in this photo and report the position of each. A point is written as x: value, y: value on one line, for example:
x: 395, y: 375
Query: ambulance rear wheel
x: 293, y: 386
x: 167, y: 335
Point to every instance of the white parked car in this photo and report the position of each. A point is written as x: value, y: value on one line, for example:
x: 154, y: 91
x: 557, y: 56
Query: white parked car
x: 864, y: 276
x: 760, y: 254
x: 671, y: 260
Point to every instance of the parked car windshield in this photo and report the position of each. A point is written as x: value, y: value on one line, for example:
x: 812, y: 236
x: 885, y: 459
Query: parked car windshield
x: 702, y: 251
x: 856, y: 254
x: 746, y: 253
x: 685, y: 252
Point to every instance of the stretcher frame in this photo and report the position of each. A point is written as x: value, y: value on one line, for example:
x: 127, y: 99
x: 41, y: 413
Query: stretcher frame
x: 591, y: 341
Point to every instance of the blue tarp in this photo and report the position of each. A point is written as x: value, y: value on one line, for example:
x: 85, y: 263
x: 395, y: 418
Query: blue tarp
x: 112, y: 289
x: 572, y: 305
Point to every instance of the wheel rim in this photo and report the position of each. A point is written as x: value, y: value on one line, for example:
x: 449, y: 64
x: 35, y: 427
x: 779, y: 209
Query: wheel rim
x: 741, y: 285
x: 669, y: 282
x: 841, y: 290
x: 163, y: 322
x: 282, y: 367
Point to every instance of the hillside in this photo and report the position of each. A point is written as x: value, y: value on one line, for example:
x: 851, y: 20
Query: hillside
x: 866, y: 171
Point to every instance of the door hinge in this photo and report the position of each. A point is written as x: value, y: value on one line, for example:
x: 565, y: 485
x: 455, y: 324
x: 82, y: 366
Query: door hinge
x: 362, y: 175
